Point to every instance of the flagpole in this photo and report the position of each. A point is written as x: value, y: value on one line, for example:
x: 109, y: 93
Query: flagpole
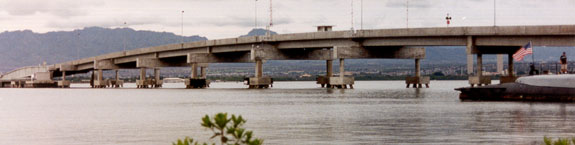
x: 533, y: 53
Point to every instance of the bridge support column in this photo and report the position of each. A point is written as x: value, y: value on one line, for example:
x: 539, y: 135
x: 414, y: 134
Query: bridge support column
x: 341, y: 82
x: 63, y: 83
x: 469, y: 64
x: 194, y: 81
x: 116, y: 83
x: 417, y: 80
x: 203, y: 72
x: 510, y: 76
x: 157, y: 82
x: 143, y: 82
x: 259, y: 81
x: 99, y: 82
x: 479, y: 79
x: 92, y: 79
x: 324, y: 80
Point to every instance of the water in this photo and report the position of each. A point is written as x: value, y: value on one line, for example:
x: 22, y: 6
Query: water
x: 376, y: 112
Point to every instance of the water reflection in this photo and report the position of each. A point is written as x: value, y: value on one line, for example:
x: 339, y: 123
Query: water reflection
x: 375, y: 112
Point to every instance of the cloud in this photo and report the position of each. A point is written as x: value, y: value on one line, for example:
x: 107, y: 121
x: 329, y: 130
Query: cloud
x: 238, y: 21
x: 111, y: 22
x: 60, y: 8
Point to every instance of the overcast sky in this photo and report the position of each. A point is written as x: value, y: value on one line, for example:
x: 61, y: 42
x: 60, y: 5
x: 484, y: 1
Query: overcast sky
x: 230, y: 18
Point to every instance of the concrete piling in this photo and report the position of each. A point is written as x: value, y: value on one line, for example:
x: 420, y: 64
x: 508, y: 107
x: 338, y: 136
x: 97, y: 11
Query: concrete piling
x: 196, y: 81
x: 259, y: 81
x: 417, y: 81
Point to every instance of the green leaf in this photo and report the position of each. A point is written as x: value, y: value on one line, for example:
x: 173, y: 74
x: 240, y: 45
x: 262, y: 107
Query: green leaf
x: 206, y: 122
x: 221, y: 120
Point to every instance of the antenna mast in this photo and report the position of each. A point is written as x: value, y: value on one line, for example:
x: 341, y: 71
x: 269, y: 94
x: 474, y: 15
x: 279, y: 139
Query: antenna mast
x: 256, y: 13
x: 271, y: 19
x: 351, y: 15
x: 407, y: 14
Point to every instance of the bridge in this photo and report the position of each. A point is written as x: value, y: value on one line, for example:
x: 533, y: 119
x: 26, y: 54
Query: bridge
x: 322, y: 45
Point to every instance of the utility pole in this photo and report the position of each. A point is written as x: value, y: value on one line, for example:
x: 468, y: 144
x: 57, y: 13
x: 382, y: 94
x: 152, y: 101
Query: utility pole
x: 78, y: 47
x: 182, y: 41
x: 271, y: 20
x: 256, y: 13
x: 494, y: 12
x: 352, y: 15
x: 125, y: 35
x: 407, y: 14
x: 361, y: 14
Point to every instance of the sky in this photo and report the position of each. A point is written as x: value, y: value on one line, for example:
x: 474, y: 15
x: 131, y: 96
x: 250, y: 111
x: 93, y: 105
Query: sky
x: 217, y: 19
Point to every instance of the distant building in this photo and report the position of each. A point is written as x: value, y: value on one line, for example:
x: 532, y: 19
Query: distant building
x: 305, y: 76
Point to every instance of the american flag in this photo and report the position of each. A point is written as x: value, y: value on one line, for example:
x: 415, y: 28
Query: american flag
x: 527, y: 49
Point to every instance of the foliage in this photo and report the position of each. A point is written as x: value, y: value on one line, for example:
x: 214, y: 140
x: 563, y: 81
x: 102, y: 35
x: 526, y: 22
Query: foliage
x: 228, y: 130
x: 559, y: 141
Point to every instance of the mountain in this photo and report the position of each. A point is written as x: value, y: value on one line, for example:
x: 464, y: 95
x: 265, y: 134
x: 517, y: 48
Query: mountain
x: 258, y: 32
x: 24, y: 48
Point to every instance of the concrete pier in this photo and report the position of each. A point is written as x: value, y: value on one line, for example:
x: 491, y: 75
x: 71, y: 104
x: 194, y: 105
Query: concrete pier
x: 157, y: 81
x: 324, y: 80
x: 145, y: 82
x: 479, y: 79
x: 259, y: 81
x: 63, y: 83
x: 417, y: 81
x: 99, y: 82
x: 116, y: 82
x: 195, y: 81
x: 341, y: 82
x: 510, y: 78
x: 142, y: 82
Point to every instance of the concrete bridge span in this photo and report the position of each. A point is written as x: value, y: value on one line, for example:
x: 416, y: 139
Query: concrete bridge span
x: 327, y: 45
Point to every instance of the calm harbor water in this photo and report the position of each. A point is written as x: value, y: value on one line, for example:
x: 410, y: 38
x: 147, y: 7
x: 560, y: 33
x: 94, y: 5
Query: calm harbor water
x: 376, y: 112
